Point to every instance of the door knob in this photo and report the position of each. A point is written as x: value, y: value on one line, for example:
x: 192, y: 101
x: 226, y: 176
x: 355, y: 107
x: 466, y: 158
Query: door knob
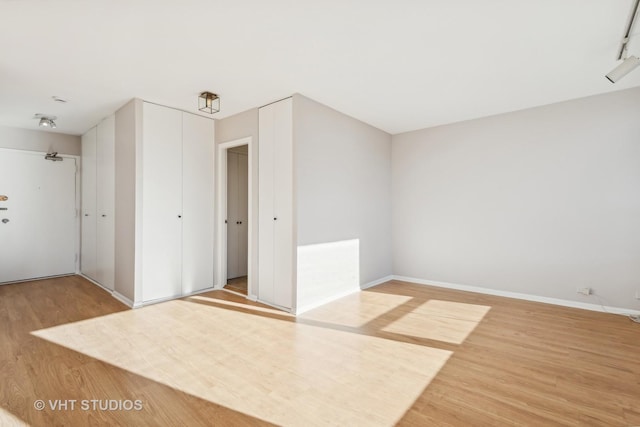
x: 86, y: 214
x: 5, y: 220
x: 104, y: 216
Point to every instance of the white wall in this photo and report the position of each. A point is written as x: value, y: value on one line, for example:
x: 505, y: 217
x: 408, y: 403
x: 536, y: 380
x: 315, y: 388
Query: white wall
x: 539, y: 201
x: 343, y: 194
x: 37, y: 140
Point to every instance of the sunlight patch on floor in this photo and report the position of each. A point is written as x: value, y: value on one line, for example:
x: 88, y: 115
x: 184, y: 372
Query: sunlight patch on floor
x: 357, y: 309
x: 7, y: 419
x: 280, y: 371
x: 446, y: 321
x: 240, y: 305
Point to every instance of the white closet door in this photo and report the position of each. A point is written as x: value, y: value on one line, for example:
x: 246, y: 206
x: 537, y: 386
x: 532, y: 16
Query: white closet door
x: 105, y: 202
x: 198, y: 139
x: 275, y: 244
x: 88, y: 261
x: 283, y: 204
x: 266, y: 190
x: 161, y: 202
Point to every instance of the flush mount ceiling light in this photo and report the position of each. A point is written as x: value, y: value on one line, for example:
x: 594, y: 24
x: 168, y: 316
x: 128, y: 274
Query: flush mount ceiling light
x: 629, y: 63
x: 208, y: 102
x: 46, y: 121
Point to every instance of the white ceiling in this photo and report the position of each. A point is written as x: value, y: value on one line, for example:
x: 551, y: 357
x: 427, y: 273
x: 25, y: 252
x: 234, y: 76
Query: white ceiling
x: 397, y: 65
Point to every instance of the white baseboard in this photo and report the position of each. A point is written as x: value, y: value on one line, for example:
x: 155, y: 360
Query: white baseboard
x: 516, y: 295
x: 201, y: 291
x: 96, y: 283
x: 284, y: 310
x: 35, y: 279
x: 316, y: 304
x: 132, y: 304
x: 377, y: 282
x: 126, y: 301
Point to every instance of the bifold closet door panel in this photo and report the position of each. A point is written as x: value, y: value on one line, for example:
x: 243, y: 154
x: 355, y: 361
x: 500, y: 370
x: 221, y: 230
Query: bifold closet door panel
x: 105, y: 206
x: 161, y: 202
x: 88, y: 239
x: 198, y: 145
x: 283, y: 203
x: 266, y: 218
x: 275, y: 257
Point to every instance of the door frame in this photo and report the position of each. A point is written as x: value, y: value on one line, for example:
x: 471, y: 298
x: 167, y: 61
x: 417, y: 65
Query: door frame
x: 221, y: 214
x: 78, y: 200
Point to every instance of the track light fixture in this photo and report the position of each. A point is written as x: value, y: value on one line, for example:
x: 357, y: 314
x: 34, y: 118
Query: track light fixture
x: 629, y: 63
x: 627, y: 66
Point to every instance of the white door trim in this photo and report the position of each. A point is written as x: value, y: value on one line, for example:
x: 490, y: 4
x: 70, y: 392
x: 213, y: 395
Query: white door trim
x: 221, y: 214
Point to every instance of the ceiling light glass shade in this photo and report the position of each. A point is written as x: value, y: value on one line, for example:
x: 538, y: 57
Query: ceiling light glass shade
x: 627, y: 66
x: 47, y: 123
x: 208, y: 102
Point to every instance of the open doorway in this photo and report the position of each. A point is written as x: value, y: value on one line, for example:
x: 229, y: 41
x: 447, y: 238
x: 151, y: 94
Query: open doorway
x: 237, y: 218
x: 234, y: 243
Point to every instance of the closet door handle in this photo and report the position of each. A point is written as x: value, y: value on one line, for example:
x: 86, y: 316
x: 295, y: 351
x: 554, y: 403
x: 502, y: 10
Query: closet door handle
x: 86, y: 214
x: 275, y: 218
x: 104, y: 216
x: 179, y: 216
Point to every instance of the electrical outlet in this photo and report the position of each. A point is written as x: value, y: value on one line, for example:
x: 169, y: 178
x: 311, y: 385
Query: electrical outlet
x: 637, y: 294
x: 585, y: 291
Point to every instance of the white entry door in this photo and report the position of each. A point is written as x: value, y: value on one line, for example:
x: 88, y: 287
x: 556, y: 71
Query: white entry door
x: 38, y: 218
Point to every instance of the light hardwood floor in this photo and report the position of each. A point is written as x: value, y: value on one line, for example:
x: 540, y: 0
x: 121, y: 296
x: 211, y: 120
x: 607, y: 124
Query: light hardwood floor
x: 395, y: 354
x: 239, y: 284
